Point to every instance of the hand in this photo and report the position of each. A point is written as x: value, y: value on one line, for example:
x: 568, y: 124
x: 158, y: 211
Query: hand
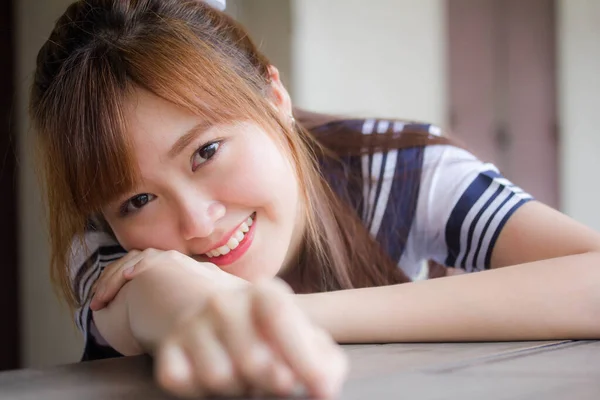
x: 250, y: 340
x: 118, y: 273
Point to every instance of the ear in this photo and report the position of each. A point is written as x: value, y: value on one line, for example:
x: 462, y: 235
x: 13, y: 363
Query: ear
x: 279, y: 94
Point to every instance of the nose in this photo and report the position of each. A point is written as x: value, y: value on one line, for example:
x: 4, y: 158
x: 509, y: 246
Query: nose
x: 198, y: 217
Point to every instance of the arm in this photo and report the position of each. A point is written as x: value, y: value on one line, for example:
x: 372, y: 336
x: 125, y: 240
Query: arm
x: 549, y: 292
x: 554, y: 299
x: 213, y: 333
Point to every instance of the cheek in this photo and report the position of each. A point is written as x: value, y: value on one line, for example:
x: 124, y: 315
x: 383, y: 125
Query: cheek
x: 260, y: 175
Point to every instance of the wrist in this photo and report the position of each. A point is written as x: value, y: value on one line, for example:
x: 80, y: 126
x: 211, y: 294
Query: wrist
x: 315, y: 306
x: 159, y: 299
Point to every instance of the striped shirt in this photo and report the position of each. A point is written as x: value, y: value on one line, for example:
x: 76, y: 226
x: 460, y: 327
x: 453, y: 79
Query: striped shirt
x: 436, y: 202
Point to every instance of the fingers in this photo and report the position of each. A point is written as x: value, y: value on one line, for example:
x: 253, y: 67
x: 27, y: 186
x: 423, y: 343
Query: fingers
x: 254, y: 360
x: 317, y: 361
x: 255, y: 340
x: 106, y: 287
x: 206, y: 365
x: 224, y: 352
x: 173, y: 371
x: 116, y: 275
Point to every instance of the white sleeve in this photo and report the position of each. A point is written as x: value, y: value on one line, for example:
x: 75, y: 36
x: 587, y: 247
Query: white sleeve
x: 462, y: 207
x: 86, y: 263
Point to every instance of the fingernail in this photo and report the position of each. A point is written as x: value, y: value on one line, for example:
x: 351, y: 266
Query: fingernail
x: 129, y: 270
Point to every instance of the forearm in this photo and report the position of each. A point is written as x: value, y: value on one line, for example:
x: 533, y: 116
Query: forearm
x: 551, y: 299
x: 147, y: 307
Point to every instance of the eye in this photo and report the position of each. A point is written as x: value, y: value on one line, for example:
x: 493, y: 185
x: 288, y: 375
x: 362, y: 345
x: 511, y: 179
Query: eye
x: 136, y: 203
x: 204, y: 154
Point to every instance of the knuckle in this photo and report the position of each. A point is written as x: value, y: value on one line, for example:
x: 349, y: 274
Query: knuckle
x: 216, y: 304
x: 257, y: 361
x: 253, y: 369
x: 216, y: 380
x: 133, y: 253
x: 149, y: 252
x: 276, y: 308
x: 282, y: 287
x: 174, y: 255
x: 144, y: 263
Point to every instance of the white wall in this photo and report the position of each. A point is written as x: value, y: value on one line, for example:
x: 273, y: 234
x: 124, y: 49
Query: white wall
x: 48, y: 335
x: 377, y: 58
x: 579, y: 102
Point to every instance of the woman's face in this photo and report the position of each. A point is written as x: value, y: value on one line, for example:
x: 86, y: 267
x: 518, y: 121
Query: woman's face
x: 225, y: 194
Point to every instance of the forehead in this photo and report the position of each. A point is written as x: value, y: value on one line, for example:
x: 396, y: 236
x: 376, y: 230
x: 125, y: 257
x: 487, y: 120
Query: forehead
x: 154, y: 124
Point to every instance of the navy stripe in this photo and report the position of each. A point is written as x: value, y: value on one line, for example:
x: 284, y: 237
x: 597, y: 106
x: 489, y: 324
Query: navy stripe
x: 346, y: 180
x: 94, y: 266
x: 486, y: 227
x: 453, y: 227
x: 488, y: 256
x: 110, y: 250
x: 112, y: 258
x: 416, y: 127
x: 346, y: 176
x: 474, y: 224
x: 378, y: 188
x: 355, y: 184
x: 402, y: 202
x: 491, y: 173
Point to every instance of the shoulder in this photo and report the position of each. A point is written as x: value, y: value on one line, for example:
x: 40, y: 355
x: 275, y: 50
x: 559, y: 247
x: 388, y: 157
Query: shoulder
x: 345, y: 135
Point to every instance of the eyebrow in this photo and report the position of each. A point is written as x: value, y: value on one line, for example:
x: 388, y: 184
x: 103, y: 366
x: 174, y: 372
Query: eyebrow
x: 183, y: 142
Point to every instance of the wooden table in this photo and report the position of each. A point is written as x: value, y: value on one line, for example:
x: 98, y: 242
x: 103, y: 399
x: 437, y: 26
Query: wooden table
x: 481, y: 371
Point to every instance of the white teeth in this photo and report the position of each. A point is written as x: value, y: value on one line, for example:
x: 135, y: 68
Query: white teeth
x: 224, y: 250
x: 233, y: 243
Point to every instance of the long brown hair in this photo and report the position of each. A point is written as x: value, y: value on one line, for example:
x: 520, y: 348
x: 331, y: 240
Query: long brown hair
x: 201, y: 59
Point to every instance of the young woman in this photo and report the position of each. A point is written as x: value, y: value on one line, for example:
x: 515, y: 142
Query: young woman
x: 172, y: 153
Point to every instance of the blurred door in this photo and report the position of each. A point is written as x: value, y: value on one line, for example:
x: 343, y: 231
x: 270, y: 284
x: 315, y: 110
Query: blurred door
x: 502, y: 88
x: 9, y: 306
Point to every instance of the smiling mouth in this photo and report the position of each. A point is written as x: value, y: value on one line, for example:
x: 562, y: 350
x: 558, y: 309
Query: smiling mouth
x: 234, y: 241
x: 236, y: 246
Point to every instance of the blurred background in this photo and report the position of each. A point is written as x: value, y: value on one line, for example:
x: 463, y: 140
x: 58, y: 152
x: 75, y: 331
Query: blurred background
x: 515, y: 80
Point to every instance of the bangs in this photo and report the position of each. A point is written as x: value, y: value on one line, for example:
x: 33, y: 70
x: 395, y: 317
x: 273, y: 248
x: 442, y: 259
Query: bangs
x: 85, y: 135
